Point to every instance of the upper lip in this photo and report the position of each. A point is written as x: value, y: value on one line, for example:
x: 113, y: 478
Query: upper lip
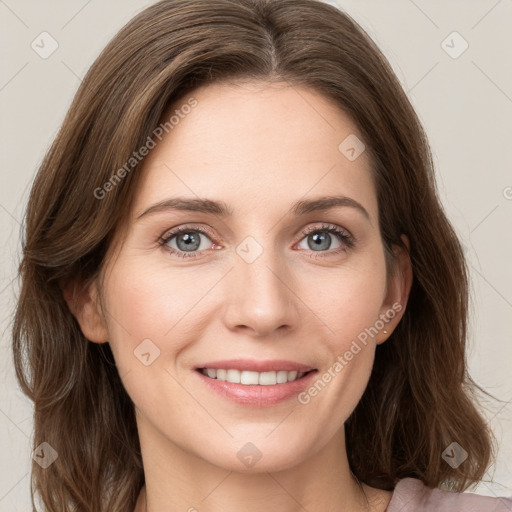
x: 256, y: 366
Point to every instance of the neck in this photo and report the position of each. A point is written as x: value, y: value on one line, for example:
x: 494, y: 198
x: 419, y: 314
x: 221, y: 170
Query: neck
x: 179, y: 481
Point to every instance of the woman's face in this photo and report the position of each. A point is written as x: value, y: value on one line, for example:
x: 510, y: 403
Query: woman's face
x: 254, y: 283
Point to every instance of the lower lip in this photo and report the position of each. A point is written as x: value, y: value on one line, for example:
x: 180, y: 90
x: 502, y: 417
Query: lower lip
x: 256, y: 395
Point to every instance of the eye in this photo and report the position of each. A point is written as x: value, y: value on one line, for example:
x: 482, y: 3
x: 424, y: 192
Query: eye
x: 186, y: 241
x: 320, y: 239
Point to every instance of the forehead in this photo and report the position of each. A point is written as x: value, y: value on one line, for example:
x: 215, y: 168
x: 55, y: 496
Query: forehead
x: 256, y: 145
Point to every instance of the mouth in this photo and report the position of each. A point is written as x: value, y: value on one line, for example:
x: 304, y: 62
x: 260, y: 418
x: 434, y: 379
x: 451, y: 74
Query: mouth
x: 255, y: 383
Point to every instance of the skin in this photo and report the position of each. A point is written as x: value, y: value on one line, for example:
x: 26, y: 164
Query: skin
x: 259, y: 148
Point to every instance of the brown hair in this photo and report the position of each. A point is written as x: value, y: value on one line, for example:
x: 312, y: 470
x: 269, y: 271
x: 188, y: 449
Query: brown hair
x: 419, y: 398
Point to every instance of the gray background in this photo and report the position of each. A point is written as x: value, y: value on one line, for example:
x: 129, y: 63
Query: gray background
x: 465, y: 104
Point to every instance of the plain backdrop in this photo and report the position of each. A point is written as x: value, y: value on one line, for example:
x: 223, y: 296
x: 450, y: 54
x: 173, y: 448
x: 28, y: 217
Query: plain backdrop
x: 463, y: 96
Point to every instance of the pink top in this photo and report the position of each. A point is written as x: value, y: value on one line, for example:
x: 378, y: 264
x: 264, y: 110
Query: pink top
x: 411, y: 495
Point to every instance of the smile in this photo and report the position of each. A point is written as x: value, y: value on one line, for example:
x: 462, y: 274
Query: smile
x: 255, y: 389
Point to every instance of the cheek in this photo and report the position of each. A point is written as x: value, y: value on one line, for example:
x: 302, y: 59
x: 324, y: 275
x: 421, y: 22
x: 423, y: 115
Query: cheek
x: 349, y: 300
x: 148, y: 305
x: 149, y: 314
x: 348, y: 307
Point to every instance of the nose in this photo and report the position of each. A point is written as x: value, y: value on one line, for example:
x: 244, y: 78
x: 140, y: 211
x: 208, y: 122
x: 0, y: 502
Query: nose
x: 260, y: 296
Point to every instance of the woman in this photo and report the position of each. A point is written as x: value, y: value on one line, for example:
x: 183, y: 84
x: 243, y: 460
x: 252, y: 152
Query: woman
x: 239, y: 288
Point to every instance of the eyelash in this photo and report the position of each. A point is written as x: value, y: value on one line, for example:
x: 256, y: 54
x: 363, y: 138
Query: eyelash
x: 347, y: 240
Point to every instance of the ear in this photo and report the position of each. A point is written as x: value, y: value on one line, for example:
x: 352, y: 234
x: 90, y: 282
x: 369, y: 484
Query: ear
x: 397, y: 292
x: 83, y: 302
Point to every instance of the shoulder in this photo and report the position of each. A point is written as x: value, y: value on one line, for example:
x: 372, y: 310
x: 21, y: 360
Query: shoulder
x: 411, y: 495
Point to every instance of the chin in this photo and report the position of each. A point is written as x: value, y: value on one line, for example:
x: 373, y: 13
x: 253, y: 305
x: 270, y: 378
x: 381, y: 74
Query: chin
x: 258, y: 456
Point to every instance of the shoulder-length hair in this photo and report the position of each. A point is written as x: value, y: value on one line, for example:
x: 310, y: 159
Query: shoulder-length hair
x: 420, y: 397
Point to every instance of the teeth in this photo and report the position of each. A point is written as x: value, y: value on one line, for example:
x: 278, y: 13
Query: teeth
x: 249, y: 377
x: 268, y: 378
x: 295, y: 375
x: 282, y: 377
x: 233, y: 376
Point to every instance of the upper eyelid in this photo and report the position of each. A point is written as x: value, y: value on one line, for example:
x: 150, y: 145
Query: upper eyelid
x: 171, y: 233
x: 324, y: 227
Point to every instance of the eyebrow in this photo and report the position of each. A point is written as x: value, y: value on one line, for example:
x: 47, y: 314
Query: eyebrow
x: 221, y: 209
